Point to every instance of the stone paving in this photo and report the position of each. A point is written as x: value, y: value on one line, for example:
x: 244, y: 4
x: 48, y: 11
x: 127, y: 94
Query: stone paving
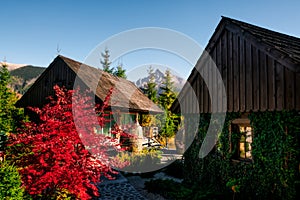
x: 118, y: 189
x: 121, y: 189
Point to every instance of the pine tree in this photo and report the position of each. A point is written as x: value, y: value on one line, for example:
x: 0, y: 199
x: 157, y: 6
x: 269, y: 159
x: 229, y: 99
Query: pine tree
x: 166, y: 98
x: 120, y: 72
x: 105, y: 62
x: 10, y: 116
x: 150, y: 89
x: 151, y: 92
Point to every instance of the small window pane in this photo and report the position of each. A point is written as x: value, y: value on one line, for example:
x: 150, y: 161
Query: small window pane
x: 245, y: 142
x: 241, y: 138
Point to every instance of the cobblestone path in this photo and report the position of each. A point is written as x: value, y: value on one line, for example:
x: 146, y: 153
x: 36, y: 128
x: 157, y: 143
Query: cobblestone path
x: 118, y: 189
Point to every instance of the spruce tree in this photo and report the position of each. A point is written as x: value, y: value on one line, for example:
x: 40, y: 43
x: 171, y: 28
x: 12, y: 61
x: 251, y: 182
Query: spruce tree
x: 106, y: 62
x: 10, y: 116
x: 150, y: 89
x: 120, y: 72
x: 166, y: 98
x: 151, y: 92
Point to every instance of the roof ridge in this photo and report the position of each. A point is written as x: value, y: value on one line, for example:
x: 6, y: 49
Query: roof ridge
x: 81, y: 63
x: 238, y: 22
x: 287, y: 45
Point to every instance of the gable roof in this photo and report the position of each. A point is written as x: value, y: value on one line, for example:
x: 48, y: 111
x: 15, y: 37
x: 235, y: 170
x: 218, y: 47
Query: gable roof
x: 238, y: 48
x: 125, y: 94
x: 284, y: 47
x: 286, y: 44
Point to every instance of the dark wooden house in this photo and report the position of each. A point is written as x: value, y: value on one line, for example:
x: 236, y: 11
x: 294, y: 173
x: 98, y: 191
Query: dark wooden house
x: 260, y: 70
x: 63, y: 71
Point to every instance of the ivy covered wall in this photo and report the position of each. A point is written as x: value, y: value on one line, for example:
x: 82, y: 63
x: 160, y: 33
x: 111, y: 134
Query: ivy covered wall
x: 273, y: 172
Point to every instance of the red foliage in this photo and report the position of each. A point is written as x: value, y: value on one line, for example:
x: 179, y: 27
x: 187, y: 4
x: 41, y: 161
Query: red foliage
x: 63, y: 151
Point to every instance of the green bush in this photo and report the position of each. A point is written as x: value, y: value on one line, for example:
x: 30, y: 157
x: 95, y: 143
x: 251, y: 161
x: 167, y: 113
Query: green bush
x: 144, y: 159
x: 3, y: 139
x: 175, y: 169
x: 168, y: 188
x: 10, y: 183
x: 174, y: 190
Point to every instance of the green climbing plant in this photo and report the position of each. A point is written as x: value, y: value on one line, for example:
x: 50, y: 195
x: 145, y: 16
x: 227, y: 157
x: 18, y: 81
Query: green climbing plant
x: 274, y: 170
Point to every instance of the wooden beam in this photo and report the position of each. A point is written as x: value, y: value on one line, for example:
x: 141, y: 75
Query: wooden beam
x: 236, y: 73
x: 271, y: 83
x: 289, y: 79
x: 241, y: 121
x: 255, y: 78
x: 297, y: 91
x: 249, y: 79
x: 279, y: 78
x: 230, y: 72
x: 242, y: 81
x: 263, y: 77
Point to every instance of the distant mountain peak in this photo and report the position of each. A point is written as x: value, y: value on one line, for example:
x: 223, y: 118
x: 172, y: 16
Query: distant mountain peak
x: 12, y: 66
x: 24, y: 77
x: 157, y: 71
x: 159, y: 78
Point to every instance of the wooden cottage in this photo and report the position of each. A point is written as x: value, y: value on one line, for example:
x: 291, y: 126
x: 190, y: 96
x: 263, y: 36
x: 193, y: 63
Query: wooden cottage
x: 63, y: 71
x: 260, y: 70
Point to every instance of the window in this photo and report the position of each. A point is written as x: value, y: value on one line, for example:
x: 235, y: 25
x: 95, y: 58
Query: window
x: 245, y: 142
x: 110, y: 123
x: 128, y: 118
x: 241, y: 137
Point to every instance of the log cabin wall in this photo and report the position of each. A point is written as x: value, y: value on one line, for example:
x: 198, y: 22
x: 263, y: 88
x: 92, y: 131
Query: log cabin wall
x: 57, y: 73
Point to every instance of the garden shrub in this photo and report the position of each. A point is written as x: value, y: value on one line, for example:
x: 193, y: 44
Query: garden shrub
x: 168, y: 188
x: 10, y: 183
x: 175, y: 169
x: 143, y: 160
x: 174, y: 190
x: 3, y: 139
x: 54, y: 160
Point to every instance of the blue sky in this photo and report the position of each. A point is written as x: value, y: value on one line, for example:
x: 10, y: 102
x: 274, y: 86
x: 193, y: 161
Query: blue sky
x: 31, y: 30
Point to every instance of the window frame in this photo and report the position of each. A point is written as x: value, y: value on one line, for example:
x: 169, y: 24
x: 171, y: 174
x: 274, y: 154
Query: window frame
x: 237, y: 124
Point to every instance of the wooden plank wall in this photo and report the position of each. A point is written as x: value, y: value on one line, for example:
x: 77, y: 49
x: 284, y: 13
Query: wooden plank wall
x: 59, y: 74
x: 254, y: 80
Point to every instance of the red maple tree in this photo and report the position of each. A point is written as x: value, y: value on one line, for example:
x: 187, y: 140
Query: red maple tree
x: 61, y: 153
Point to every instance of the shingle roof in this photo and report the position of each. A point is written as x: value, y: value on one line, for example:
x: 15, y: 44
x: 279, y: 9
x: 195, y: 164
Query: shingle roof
x: 125, y: 93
